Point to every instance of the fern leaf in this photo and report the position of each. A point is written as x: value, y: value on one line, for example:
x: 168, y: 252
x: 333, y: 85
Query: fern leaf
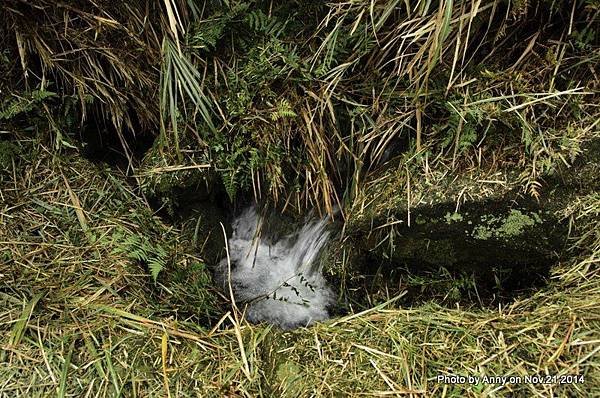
x: 155, y: 265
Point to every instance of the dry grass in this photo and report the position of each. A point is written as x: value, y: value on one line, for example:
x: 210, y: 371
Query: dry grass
x: 302, y: 116
x: 81, y: 319
x: 104, y: 54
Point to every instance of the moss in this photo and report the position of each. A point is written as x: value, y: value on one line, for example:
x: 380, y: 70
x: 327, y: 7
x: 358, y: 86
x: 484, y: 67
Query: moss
x: 515, y: 224
x: 433, y: 251
x: 482, y: 232
x: 453, y: 217
x: 512, y: 226
x: 420, y: 220
x: 288, y: 375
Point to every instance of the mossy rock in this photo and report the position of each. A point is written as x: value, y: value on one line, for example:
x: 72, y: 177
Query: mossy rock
x: 504, y: 238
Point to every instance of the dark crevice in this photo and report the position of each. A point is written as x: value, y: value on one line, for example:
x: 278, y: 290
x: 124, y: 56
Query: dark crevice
x: 486, y: 254
x: 102, y: 142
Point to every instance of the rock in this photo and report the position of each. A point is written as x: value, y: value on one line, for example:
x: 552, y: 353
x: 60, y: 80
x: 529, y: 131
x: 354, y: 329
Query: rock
x: 502, y: 240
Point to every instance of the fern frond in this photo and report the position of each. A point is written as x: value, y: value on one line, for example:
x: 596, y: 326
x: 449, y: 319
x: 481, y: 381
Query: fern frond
x: 283, y: 111
x: 156, y: 265
x: 26, y: 104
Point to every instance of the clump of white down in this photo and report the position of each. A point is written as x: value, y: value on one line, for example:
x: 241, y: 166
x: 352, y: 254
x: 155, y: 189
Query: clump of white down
x: 277, y: 279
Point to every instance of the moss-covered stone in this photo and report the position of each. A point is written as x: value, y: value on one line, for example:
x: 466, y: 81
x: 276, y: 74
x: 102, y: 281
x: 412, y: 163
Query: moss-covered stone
x: 500, y: 235
x: 436, y: 252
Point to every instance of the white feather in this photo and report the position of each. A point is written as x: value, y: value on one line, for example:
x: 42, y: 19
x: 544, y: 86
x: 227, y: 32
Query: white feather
x: 280, y: 281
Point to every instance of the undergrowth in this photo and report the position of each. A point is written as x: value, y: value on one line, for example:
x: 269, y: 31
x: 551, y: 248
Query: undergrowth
x: 81, y: 315
x: 301, y: 103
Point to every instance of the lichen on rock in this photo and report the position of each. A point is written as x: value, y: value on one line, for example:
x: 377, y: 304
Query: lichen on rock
x: 511, y: 226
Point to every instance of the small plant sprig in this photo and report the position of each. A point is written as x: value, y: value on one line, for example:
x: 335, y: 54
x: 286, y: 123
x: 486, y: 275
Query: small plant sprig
x: 18, y: 105
x: 140, y: 248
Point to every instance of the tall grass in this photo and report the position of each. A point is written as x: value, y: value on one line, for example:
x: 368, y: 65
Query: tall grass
x: 364, y: 82
x: 302, y: 103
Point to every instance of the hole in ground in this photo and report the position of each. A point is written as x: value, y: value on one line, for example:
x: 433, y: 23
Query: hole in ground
x: 488, y: 254
x: 196, y: 206
x: 101, y: 140
x: 485, y: 285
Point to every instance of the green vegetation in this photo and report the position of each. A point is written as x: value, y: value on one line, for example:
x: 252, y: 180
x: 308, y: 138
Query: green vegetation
x: 453, y: 137
x: 453, y: 217
x: 510, y: 227
x: 303, y: 102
